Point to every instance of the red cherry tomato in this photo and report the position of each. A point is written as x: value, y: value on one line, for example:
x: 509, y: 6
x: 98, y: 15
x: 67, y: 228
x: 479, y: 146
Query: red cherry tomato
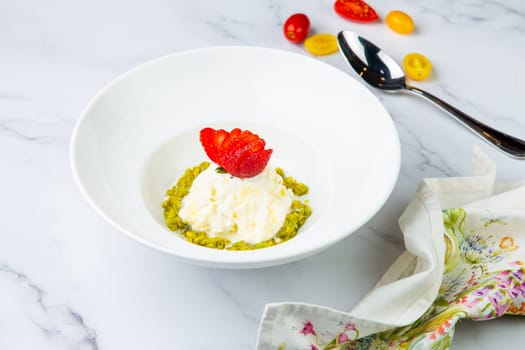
x: 296, y: 27
x: 355, y: 10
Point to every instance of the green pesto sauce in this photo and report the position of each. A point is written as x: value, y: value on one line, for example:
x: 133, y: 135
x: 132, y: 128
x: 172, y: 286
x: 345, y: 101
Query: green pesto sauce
x: 298, y: 188
x: 297, y: 215
x: 173, y: 203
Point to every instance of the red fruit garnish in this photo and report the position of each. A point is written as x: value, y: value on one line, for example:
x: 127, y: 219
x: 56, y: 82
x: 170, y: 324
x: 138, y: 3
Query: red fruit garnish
x: 212, y: 140
x: 230, y: 137
x: 254, y: 163
x: 240, y: 152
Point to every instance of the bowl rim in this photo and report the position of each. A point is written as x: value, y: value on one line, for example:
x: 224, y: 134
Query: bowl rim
x: 210, y: 261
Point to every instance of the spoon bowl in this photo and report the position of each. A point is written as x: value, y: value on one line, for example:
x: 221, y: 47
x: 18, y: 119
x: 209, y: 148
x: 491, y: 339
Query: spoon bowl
x: 381, y: 71
x: 371, y: 63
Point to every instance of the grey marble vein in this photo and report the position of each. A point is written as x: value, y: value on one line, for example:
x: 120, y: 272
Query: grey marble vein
x: 396, y: 240
x: 222, y: 23
x: 57, y: 317
x: 506, y: 7
x: 476, y: 12
x: 472, y: 108
x: 276, y: 9
x: 5, y: 96
x: 8, y: 130
x: 234, y: 300
x: 428, y: 157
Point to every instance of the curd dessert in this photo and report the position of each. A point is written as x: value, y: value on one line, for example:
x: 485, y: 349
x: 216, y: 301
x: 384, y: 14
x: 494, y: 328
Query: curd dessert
x: 242, y: 204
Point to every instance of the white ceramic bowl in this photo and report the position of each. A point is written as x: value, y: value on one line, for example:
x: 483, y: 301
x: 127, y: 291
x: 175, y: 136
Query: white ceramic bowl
x: 140, y: 133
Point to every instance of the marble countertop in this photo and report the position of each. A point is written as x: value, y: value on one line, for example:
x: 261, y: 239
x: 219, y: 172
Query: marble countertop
x: 68, y: 280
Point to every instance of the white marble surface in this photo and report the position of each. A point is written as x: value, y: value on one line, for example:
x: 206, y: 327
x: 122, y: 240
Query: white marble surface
x: 70, y: 281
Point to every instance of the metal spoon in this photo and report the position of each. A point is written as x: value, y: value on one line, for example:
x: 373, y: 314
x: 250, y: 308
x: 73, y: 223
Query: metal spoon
x: 379, y: 70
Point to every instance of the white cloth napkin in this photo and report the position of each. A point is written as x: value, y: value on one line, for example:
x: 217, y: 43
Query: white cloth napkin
x: 411, y: 286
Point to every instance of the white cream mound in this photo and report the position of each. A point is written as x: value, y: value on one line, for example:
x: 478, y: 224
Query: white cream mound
x: 250, y: 210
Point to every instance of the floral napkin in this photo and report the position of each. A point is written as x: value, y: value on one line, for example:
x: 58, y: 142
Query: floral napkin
x: 464, y: 259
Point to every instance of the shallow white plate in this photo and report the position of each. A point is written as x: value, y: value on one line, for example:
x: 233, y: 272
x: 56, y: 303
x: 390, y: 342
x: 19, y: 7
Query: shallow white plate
x: 140, y: 133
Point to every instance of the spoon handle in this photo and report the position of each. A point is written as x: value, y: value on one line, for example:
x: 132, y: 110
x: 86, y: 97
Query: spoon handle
x: 511, y: 145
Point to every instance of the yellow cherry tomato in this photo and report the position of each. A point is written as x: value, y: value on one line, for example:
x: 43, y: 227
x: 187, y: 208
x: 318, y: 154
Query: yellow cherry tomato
x: 417, y: 66
x: 400, y: 22
x: 321, y: 44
